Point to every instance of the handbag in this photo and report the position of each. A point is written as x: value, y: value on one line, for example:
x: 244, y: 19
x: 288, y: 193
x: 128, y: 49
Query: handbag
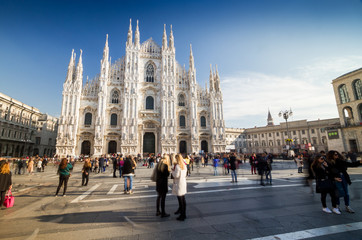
x: 324, y: 185
x: 154, y: 174
x: 340, y: 192
x: 9, y: 200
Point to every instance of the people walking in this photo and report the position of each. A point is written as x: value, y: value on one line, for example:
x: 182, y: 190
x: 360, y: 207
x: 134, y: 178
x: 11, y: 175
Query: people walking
x: 216, y: 164
x: 96, y: 165
x: 179, y: 187
x: 226, y: 164
x: 64, y: 174
x: 120, y: 164
x: 163, y: 171
x: 268, y: 168
x: 261, y: 165
x: 252, y: 161
x: 233, y: 164
x: 101, y: 164
x: 5, y: 181
x: 324, y: 182
x: 128, y: 173
x: 86, y: 171
x: 339, y: 168
x: 299, y: 161
x: 114, y: 164
x: 30, y: 166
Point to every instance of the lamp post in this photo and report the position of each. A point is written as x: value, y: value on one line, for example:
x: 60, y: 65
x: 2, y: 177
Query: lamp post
x: 286, y: 114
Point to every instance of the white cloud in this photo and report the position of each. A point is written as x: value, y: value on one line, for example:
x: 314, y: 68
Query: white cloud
x: 307, y: 90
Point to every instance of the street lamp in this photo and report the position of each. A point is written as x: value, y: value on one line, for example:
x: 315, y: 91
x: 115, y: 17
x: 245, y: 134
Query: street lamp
x: 286, y: 114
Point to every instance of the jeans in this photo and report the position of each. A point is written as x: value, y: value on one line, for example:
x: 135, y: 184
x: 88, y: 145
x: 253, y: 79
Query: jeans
x: 268, y: 175
x: 345, y: 188
x: 130, y: 183
x: 215, y: 171
x: 233, y: 176
x: 63, y: 179
x: 120, y: 171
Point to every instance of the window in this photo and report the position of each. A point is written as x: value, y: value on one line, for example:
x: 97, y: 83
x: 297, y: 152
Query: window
x: 203, y: 121
x: 150, y: 71
x: 294, y: 132
x: 285, y: 133
x: 314, y: 140
x: 37, y: 140
x: 255, y: 136
x: 88, y: 119
x: 182, y: 121
x: 277, y: 134
x: 270, y: 135
x: 270, y: 143
x: 114, y: 119
x: 312, y: 130
x: 357, y: 88
x: 303, y: 131
x: 181, y: 100
x: 343, y: 94
x: 9, y: 133
x: 115, y: 96
x: 262, y: 135
x: 278, y: 142
x: 149, y: 103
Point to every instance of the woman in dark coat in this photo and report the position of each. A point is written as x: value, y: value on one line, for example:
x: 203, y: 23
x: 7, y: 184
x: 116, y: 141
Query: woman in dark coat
x: 85, y: 172
x: 322, y: 170
x: 5, y: 181
x: 163, y: 171
x: 339, y: 168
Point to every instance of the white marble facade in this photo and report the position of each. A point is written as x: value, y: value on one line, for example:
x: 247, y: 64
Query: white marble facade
x: 144, y: 102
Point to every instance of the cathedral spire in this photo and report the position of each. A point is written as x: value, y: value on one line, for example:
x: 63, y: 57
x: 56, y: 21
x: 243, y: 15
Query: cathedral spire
x: 211, y: 80
x: 106, y: 49
x: 171, y: 43
x: 164, y: 38
x: 137, y: 36
x: 217, y: 80
x: 79, y: 76
x: 270, y: 119
x: 192, y: 63
x: 129, y: 36
x: 70, y: 67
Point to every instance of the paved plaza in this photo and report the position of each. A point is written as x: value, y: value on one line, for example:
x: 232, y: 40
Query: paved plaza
x: 216, y: 208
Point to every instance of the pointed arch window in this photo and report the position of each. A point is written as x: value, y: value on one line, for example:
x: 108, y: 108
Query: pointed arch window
x: 114, y: 119
x: 343, y: 94
x: 150, y: 73
x: 149, y: 103
x: 357, y: 88
x: 88, y: 119
x: 203, y: 121
x: 181, y: 100
x: 182, y: 121
x: 115, y: 96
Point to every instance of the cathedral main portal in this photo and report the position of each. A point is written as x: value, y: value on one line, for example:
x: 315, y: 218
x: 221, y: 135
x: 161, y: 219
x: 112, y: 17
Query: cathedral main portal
x: 149, y: 143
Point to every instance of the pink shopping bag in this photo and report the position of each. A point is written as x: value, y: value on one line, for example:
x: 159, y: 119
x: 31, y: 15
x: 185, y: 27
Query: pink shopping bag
x: 9, y: 200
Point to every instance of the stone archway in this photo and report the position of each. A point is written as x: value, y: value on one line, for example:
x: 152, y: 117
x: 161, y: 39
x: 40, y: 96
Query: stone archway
x: 86, y: 147
x: 112, y: 147
x: 149, y: 143
x: 204, y: 146
x: 183, y: 147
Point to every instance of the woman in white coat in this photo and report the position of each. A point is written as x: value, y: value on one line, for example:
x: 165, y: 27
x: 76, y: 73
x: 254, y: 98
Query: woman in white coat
x: 179, y: 185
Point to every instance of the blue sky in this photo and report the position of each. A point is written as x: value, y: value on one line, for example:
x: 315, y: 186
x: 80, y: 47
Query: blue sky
x: 271, y: 54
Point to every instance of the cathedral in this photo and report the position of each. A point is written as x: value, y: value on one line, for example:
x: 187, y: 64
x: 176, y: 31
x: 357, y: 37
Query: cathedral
x: 144, y: 102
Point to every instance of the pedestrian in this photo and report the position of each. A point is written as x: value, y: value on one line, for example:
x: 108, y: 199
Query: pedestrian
x: 64, y: 174
x: 128, y: 173
x: 39, y: 164
x: 30, y: 166
x: 101, y: 164
x: 216, y: 164
x: 299, y: 161
x: 179, y: 187
x: 268, y: 168
x: 187, y: 161
x: 5, y: 181
x: 324, y: 182
x: 339, y: 168
x: 232, y: 166
x: 44, y: 163
x: 114, y: 164
x: 226, y: 164
x: 163, y: 171
x: 96, y: 165
x: 120, y: 164
x: 252, y: 161
x: 85, y: 171
x: 151, y: 161
x: 261, y: 164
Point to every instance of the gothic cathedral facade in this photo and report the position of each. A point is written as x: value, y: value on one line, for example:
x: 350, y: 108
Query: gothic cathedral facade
x: 144, y: 102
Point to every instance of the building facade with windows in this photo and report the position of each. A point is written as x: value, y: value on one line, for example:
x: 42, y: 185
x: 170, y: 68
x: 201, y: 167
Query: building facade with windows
x: 306, y: 135
x: 24, y: 130
x: 348, y: 93
x: 145, y: 102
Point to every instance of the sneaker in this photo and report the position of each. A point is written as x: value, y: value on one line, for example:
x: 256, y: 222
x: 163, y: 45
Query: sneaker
x: 327, y: 210
x: 349, y: 209
x: 64, y: 195
x: 336, y: 211
x: 130, y: 192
